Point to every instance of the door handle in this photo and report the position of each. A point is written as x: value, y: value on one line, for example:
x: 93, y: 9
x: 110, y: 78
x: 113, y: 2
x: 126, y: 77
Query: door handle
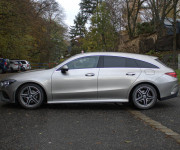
x: 130, y: 74
x: 89, y: 74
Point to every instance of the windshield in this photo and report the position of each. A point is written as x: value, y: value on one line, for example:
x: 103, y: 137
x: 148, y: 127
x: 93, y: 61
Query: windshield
x: 23, y: 62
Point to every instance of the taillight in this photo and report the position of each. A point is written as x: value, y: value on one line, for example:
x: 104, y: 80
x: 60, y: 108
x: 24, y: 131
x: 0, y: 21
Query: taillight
x: 5, y: 63
x: 172, y: 74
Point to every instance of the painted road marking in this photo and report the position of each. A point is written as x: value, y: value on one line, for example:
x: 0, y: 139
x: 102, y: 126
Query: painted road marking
x: 170, y: 133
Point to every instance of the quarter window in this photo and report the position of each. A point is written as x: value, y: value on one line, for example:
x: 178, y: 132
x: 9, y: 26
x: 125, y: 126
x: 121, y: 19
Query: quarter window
x: 143, y: 64
x: 84, y: 62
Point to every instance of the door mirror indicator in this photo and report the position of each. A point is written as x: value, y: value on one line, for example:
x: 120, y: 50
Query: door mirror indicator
x: 64, y: 69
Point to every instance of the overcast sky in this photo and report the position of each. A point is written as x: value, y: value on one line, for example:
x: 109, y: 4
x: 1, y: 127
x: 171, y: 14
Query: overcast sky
x: 71, y: 8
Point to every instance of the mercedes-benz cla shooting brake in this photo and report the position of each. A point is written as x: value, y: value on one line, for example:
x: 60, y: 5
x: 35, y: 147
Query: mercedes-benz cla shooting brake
x: 94, y: 78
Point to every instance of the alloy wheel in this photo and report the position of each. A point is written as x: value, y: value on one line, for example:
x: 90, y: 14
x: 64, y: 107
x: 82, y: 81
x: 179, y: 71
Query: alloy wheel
x: 30, y: 96
x: 144, y: 96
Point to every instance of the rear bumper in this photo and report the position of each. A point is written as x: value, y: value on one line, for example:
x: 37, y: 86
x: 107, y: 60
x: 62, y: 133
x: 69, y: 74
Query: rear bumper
x: 16, y: 69
x: 169, y: 97
x: 168, y: 88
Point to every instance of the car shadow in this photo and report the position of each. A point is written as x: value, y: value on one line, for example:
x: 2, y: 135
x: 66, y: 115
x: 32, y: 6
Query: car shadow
x: 163, y: 105
x: 10, y: 105
x: 79, y: 106
x: 90, y: 106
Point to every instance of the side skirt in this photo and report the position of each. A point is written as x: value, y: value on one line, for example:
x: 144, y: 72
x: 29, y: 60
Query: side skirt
x: 89, y: 101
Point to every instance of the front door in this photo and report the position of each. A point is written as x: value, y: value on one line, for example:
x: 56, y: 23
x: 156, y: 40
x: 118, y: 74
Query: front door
x: 79, y: 82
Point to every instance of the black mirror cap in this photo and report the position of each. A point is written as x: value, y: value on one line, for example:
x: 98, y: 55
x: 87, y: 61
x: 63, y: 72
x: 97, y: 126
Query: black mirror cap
x: 64, y: 69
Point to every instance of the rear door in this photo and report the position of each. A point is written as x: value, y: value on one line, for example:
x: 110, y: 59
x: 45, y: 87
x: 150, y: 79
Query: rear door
x: 116, y: 76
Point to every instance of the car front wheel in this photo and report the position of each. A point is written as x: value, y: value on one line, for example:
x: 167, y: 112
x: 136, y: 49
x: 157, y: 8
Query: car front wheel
x: 144, y: 96
x: 30, y: 96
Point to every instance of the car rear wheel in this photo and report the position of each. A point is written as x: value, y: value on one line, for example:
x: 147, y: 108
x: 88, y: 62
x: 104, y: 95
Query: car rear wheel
x: 144, y: 96
x: 12, y: 70
x: 23, y: 69
x: 30, y: 96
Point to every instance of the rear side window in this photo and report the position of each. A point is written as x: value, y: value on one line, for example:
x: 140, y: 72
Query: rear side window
x: 143, y: 64
x: 114, y: 62
x: 122, y: 62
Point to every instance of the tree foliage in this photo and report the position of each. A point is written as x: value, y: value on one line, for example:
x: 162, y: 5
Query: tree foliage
x: 88, y: 7
x: 31, y: 30
x: 102, y: 35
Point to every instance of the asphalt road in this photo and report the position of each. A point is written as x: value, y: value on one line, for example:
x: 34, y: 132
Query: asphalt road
x: 87, y: 126
x: 167, y: 113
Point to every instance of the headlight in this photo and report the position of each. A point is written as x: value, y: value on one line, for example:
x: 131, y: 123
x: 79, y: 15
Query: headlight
x: 7, y: 82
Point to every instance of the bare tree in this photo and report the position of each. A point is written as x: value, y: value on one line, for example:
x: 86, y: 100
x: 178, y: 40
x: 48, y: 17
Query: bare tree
x: 159, y: 9
x: 132, y: 9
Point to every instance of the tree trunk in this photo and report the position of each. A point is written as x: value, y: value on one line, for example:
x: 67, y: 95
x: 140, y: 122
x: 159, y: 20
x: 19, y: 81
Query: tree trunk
x: 174, y: 32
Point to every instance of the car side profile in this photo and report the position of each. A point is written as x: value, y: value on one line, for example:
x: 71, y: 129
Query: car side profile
x: 94, y: 78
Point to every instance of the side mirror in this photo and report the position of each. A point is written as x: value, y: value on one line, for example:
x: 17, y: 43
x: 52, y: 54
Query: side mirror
x: 64, y: 69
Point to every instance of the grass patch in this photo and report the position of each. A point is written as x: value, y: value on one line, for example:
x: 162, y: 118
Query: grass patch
x: 178, y: 75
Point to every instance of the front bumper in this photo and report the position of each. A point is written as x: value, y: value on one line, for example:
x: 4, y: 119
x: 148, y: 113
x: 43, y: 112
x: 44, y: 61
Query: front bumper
x: 4, y: 97
x: 7, y: 94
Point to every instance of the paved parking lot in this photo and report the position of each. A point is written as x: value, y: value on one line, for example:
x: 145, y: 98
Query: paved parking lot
x: 88, y: 126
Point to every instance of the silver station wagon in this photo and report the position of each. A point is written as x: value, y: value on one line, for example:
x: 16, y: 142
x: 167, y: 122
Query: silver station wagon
x: 94, y: 78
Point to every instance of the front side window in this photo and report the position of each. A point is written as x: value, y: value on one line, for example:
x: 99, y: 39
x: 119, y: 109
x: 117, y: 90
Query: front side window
x: 84, y: 62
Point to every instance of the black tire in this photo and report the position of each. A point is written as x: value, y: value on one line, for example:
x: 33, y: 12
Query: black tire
x: 3, y: 71
x: 30, y: 96
x: 23, y: 69
x: 12, y: 70
x: 144, y: 96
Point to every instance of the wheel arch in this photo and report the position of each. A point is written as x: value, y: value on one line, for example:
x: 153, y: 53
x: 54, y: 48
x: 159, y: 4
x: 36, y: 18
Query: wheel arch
x: 17, y: 90
x: 132, y: 89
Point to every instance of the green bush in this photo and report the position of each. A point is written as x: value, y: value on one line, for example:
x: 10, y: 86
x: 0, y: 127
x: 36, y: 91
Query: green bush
x: 144, y: 28
x: 178, y: 75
